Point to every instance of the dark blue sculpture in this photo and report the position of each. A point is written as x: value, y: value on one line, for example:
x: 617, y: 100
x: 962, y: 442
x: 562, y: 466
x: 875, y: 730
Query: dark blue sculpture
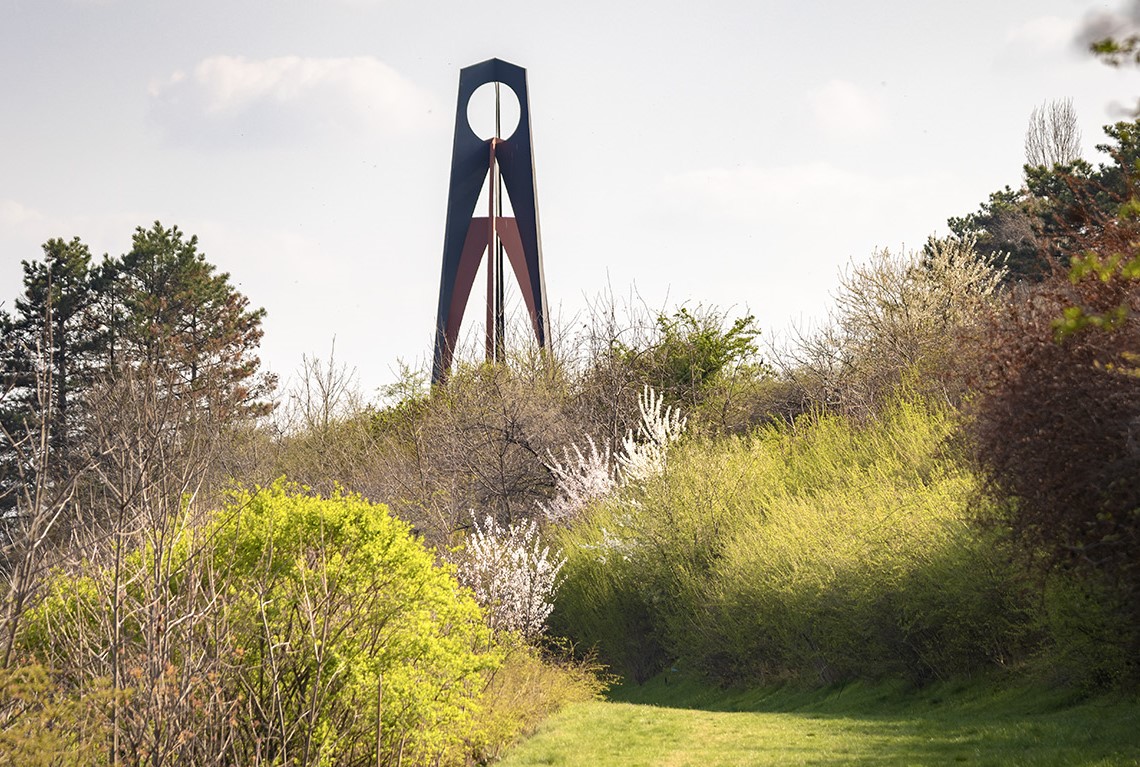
x: 467, y: 237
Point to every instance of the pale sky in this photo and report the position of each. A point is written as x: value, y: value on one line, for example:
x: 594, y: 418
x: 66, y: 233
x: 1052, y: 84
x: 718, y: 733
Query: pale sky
x: 735, y: 154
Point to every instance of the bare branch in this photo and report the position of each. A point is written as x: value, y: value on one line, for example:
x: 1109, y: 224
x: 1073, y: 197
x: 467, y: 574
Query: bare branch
x: 1053, y: 137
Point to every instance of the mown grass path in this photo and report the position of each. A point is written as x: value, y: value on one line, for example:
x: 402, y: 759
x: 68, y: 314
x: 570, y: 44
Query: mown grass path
x: 977, y: 725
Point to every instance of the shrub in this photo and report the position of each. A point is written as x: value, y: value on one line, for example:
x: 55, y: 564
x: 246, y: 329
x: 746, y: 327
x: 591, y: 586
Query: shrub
x: 604, y: 604
x: 702, y: 359
x: 341, y: 604
x: 580, y: 479
x: 511, y: 575
x: 587, y: 477
x: 304, y: 624
x: 1056, y: 424
x: 42, y: 724
x: 899, y: 318
x: 823, y: 551
x: 1087, y: 644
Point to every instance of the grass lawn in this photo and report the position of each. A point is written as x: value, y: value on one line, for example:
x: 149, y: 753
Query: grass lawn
x: 679, y: 723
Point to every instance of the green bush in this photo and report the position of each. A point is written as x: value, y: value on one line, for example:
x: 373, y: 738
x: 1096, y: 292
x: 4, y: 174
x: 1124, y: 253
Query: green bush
x: 825, y: 550
x: 344, y: 603
x: 42, y: 724
x: 1088, y: 634
x: 602, y: 604
x: 277, y: 630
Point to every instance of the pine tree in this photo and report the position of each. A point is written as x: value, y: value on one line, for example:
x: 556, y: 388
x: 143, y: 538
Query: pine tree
x: 50, y: 355
x: 179, y: 318
x: 160, y: 314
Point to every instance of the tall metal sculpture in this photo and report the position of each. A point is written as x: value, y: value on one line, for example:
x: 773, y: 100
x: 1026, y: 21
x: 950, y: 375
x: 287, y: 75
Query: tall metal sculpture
x: 505, y: 161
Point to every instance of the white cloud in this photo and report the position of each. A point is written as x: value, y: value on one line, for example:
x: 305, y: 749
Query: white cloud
x: 233, y: 98
x: 844, y: 111
x: 13, y: 213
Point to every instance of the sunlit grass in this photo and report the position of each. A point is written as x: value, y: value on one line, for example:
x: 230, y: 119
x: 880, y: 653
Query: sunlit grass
x: 679, y: 724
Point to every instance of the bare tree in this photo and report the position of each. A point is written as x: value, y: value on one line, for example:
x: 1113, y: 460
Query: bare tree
x: 898, y: 316
x: 1053, y: 137
x: 40, y: 516
x: 323, y: 393
x: 151, y: 630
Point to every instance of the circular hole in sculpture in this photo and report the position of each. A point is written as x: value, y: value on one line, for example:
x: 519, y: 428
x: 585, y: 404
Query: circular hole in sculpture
x: 481, y: 111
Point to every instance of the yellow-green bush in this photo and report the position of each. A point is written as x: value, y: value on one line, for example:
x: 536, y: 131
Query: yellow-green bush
x: 603, y: 603
x: 283, y: 630
x: 355, y: 607
x: 45, y: 725
x: 825, y: 550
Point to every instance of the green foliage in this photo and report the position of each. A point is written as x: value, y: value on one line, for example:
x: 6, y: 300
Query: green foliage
x: 1040, y: 225
x: 1116, y: 51
x: 1005, y: 230
x: 42, y: 724
x: 702, y: 359
x: 160, y: 312
x: 344, y: 602
x: 1087, y: 645
x: 1116, y: 267
x: 823, y: 551
x: 49, y: 356
x: 175, y: 311
x: 603, y: 603
x: 322, y: 609
x: 694, y: 347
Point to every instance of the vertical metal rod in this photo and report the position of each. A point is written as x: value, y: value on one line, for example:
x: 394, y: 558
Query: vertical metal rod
x: 500, y: 309
x: 489, y: 339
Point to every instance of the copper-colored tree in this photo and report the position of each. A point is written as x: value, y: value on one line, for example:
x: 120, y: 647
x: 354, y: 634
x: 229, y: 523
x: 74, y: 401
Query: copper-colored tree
x: 1057, y: 416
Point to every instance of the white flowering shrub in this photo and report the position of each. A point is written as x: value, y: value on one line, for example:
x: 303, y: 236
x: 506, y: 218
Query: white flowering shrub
x: 511, y: 573
x: 643, y: 456
x: 581, y: 478
x: 585, y: 476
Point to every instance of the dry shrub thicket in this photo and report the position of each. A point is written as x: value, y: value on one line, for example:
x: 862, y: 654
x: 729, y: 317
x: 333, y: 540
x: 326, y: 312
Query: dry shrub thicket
x: 488, y: 441
x: 478, y: 445
x: 149, y: 453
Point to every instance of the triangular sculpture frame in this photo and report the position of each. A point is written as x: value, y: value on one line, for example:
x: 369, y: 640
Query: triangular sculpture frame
x: 467, y: 237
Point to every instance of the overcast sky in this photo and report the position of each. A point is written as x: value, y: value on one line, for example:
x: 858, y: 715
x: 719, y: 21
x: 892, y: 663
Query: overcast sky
x: 737, y: 154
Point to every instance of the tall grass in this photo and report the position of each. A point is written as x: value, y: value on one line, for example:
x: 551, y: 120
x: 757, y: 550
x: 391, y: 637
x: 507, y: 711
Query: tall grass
x: 825, y: 551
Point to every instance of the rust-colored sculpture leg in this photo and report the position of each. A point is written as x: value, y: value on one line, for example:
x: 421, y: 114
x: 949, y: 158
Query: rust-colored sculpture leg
x: 473, y: 248
x: 512, y: 243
